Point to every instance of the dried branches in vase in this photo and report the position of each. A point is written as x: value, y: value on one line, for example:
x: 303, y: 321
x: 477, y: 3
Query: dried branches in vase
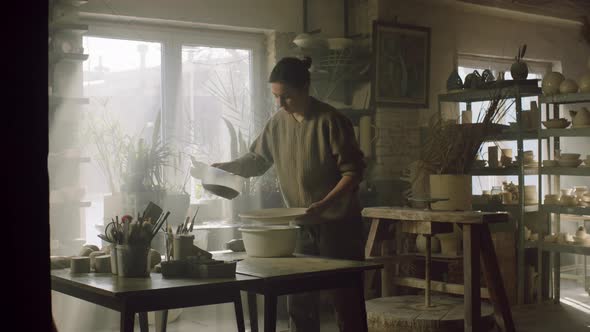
x: 452, y: 148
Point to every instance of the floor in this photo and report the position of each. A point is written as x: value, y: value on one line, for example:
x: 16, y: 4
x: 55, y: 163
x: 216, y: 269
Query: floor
x: 573, y: 314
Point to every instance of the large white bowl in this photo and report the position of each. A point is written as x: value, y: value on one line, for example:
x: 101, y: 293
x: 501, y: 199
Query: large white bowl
x: 569, y: 163
x: 269, y: 241
x: 569, y: 156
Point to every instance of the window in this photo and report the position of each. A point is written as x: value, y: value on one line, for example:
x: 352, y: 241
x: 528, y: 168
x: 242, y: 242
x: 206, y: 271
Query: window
x: 467, y: 64
x: 191, y: 88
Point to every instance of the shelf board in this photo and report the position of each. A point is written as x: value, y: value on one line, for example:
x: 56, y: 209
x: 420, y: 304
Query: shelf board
x: 68, y: 28
x: 580, y: 211
x: 486, y: 171
x: 568, y: 98
x: 435, y: 256
x: 573, y: 171
x: 564, y: 248
x: 570, y: 132
x: 475, y: 95
x: 513, y: 135
x: 505, y: 207
x: 56, y: 101
x: 55, y: 57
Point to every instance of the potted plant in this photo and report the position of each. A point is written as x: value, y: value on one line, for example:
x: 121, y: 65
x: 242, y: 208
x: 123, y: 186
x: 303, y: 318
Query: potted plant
x: 449, y: 151
x: 135, y: 167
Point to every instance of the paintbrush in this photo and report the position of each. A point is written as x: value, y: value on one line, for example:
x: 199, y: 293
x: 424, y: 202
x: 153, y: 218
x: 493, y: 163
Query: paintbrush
x: 159, y: 224
x: 193, y: 221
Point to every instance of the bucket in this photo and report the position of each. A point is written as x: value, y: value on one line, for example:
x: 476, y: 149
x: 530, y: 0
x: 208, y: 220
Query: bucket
x: 132, y: 261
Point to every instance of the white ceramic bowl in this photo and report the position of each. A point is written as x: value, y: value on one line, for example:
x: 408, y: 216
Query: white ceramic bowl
x: 569, y: 163
x: 569, y: 156
x: 556, y: 123
x: 269, y: 241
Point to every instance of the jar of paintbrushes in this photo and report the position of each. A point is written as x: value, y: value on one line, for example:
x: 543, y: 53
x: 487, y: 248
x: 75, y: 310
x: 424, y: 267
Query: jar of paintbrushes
x: 130, y: 240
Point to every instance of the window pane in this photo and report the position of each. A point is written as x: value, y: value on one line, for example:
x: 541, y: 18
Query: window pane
x: 122, y: 79
x: 216, y: 106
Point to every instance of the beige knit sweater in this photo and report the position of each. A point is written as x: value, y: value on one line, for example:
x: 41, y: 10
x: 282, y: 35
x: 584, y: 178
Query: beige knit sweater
x: 310, y: 158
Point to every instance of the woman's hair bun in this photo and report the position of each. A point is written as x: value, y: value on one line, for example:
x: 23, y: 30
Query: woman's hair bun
x: 306, y: 62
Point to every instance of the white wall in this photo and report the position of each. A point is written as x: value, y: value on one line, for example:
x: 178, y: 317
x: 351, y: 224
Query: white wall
x: 464, y: 28
x: 281, y: 15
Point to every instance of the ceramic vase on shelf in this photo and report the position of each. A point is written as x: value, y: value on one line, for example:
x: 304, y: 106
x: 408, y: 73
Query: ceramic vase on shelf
x: 455, y: 187
x: 519, y: 70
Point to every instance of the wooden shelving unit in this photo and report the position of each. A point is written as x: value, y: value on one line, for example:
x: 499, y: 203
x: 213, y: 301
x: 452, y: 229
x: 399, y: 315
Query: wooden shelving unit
x: 554, y: 173
x: 64, y: 167
x: 509, y: 90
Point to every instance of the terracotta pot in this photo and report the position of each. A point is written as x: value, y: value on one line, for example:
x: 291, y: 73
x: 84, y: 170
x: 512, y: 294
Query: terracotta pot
x: 457, y: 188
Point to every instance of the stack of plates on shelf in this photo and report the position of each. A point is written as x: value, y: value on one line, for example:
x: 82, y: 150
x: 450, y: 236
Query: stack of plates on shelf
x: 569, y: 160
x: 532, y: 164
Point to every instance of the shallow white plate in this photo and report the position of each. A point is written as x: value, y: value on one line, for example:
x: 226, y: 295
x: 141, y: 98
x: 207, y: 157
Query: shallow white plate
x: 274, y: 214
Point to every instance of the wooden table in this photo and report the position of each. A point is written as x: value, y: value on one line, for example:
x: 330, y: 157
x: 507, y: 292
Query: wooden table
x: 290, y: 275
x: 477, y: 241
x: 140, y: 295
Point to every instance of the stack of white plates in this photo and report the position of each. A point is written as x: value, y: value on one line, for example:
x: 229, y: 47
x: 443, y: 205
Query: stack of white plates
x: 569, y: 162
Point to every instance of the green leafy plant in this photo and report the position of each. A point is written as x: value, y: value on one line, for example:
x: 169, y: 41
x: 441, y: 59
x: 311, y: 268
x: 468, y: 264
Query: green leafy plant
x: 130, y: 163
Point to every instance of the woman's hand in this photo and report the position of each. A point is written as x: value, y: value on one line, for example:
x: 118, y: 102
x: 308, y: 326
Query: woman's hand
x: 317, y: 207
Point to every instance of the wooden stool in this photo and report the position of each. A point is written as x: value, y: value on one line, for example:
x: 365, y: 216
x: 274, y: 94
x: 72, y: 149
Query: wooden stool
x: 409, y: 313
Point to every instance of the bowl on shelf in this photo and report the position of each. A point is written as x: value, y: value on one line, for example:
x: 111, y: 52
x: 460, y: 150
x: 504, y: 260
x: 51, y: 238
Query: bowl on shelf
x: 569, y: 162
x: 556, y: 123
x: 550, y: 163
x: 569, y: 156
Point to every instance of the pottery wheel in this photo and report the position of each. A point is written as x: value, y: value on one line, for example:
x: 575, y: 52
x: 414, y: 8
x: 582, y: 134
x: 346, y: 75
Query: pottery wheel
x: 408, y: 313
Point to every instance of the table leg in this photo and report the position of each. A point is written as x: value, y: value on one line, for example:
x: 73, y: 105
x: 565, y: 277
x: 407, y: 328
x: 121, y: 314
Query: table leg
x: 369, y: 249
x: 127, y: 320
x: 143, y: 322
x: 161, y: 320
x: 270, y: 313
x: 472, y: 296
x: 427, y: 263
x: 363, y: 309
x: 495, y: 283
x: 239, y: 312
x: 253, y: 312
x: 539, y: 275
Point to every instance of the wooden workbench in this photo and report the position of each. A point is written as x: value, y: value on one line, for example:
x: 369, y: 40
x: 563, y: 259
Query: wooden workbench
x: 477, y: 241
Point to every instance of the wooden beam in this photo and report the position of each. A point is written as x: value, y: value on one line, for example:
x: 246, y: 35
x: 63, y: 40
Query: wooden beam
x: 568, y: 10
x: 437, y: 286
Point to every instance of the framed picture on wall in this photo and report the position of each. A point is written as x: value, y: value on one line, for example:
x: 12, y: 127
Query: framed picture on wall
x: 401, y: 70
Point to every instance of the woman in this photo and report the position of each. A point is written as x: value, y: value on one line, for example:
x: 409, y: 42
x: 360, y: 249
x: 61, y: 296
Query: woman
x: 319, y: 166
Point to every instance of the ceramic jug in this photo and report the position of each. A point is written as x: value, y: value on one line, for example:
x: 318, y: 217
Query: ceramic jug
x: 580, y: 118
